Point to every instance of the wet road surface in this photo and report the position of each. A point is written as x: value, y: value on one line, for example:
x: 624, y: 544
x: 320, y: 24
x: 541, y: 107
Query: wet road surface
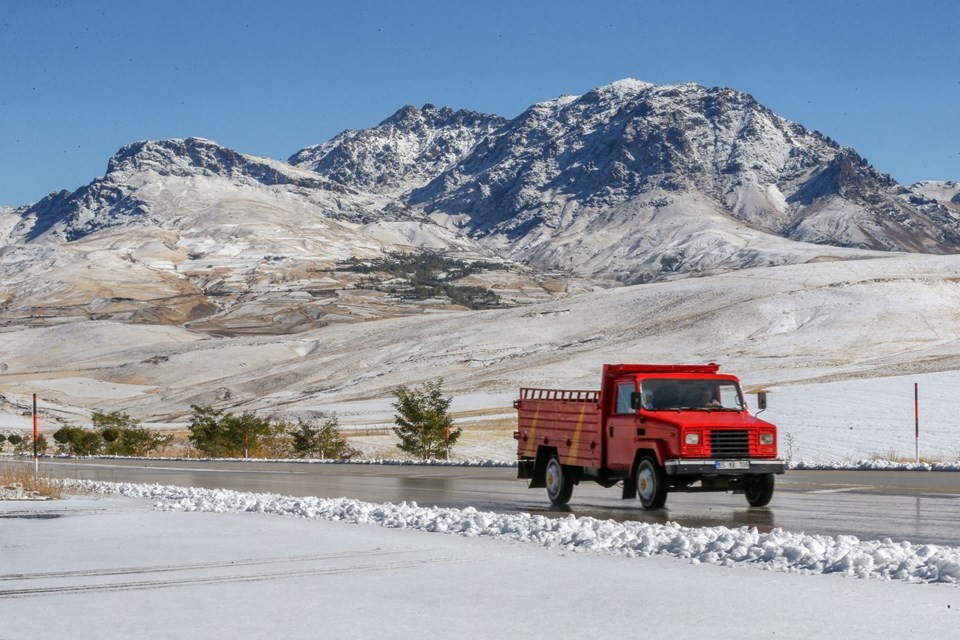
x: 922, y: 507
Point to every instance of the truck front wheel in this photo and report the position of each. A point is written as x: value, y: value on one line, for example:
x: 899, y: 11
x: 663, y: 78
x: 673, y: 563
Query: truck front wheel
x: 559, y: 486
x: 651, y: 484
x: 759, y: 490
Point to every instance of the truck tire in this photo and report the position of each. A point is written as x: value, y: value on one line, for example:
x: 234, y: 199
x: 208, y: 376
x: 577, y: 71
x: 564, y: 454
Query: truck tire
x: 559, y: 487
x: 651, y: 484
x: 759, y: 489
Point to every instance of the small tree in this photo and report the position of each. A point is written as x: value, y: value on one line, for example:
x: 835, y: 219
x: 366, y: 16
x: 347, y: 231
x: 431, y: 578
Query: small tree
x: 245, y: 432
x: 136, y: 441
x: 424, y: 425
x: 275, y: 441
x: 15, y: 439
x: 324, y: 441
x: 206, y: 433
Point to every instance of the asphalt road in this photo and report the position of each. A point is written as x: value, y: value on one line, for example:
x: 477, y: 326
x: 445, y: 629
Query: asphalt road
x: 923, y: 507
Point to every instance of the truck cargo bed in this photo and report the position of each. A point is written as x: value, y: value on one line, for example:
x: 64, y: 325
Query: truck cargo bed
x: 567, y: 420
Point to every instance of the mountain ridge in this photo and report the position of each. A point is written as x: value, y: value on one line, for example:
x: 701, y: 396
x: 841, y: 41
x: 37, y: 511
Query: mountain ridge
x: 629, y: 183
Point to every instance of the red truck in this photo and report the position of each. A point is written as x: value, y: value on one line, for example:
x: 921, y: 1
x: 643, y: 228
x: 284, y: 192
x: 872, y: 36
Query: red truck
x: 652, y: 427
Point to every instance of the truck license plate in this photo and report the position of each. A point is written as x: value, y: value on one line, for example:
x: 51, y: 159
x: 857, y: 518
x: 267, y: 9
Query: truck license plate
x: 732, y: 464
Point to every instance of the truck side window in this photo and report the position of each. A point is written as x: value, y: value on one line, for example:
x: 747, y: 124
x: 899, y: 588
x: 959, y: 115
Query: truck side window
x: 624, y: 391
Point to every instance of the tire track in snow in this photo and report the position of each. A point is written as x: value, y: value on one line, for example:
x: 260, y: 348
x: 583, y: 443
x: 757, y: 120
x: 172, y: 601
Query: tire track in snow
x: 171, y: 583
x: 191, y: 566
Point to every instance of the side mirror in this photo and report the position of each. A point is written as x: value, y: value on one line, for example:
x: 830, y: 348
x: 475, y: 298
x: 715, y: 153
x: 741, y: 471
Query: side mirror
x: 636, y: 400
x: 762, y: 400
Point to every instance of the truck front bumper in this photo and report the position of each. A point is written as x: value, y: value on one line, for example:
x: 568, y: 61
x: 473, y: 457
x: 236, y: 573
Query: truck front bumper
x: 722, y: 467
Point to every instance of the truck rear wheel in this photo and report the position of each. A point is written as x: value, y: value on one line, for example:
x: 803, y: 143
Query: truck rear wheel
x: 759, y: 490
x: 651, y: 484
x: 559, y: 487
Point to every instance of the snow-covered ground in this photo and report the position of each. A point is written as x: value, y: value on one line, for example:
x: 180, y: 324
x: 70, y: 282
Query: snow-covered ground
x: 176, y: 563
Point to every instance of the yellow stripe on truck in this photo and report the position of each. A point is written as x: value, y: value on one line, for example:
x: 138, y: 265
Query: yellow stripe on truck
x: 531, y: 441
x: 574, y: 448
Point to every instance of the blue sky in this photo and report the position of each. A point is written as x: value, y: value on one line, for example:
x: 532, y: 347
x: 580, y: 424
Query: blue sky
x: 78, y: 80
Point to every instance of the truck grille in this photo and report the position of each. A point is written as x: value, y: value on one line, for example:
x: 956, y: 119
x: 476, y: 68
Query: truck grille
x: 729, y: 444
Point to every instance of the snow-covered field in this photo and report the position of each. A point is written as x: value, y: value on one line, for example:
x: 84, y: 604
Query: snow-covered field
x: 791, y: 325
x: 175, y: 563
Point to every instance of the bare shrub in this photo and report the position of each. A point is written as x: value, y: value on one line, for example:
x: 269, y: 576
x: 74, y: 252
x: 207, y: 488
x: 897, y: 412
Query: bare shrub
x: 16, y: 473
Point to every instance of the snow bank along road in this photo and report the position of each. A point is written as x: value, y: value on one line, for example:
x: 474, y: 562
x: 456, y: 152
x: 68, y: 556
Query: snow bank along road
x: 161, y: 567
x: 778, y: 550
x: 922, y: 507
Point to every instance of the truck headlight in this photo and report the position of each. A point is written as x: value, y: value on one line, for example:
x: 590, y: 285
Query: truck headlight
x: 691, y: 438
x: 766, y: 438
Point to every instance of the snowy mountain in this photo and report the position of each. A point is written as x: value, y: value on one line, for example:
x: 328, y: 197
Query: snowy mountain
x: 630, y: 153
x: 136, y: 191
x: 634, y: 182
x: 629, y: 183
x: 403, y: 152
x: 189, y: 232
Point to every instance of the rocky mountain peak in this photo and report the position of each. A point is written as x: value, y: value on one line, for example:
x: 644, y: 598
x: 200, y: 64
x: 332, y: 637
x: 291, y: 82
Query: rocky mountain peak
x: 405, y: 151
x: 191, y: 157
x: 428, y: 117
x: 126, y: 193
x: 632, y: 139
x: 176, y: 156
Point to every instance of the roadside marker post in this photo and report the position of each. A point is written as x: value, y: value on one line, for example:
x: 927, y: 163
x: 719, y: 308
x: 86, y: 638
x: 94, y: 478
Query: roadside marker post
x: 36, y: 458
x: 916, y: 418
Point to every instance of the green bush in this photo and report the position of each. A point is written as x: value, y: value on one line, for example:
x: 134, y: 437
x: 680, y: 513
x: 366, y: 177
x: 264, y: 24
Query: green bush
x: 323, y: 441
x: 218, y: 434
x: 78, y: 441
x: 124, y: 436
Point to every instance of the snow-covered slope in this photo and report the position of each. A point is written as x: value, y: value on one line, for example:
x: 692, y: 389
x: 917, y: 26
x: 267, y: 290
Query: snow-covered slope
x: 187, y: 231
x: 791, y: 324
x: 159, y: 183
x: 944, y: 192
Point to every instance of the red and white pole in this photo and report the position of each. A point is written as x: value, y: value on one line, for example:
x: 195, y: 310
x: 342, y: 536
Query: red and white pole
x: 916, y: 417
x: 36, y: 458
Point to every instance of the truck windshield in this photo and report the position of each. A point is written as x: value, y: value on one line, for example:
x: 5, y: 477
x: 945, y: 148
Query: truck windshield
x: 690, y: 395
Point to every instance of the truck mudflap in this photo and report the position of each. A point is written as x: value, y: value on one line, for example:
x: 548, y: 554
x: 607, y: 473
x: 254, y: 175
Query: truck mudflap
x: 722, y: 467
x: 525, y: 469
